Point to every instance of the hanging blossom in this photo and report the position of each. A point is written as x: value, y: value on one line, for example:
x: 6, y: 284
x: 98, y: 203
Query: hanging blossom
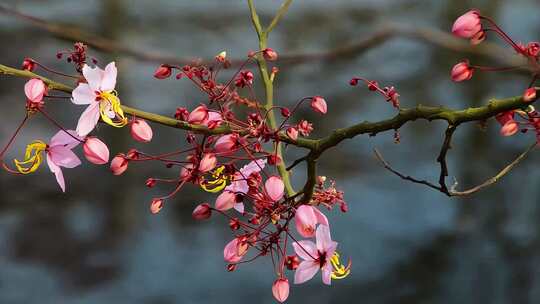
x: 102, y: 100
x: 58, y: 152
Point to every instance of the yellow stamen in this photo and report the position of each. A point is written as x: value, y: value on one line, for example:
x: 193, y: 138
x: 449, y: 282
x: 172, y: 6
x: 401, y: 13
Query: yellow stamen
x: 32, y: 157
x: 340, y: 271
x: 110, y: 101
x: 219, y: 183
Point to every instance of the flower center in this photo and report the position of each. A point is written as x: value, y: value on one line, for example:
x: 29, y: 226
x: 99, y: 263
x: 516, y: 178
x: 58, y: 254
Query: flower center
x: 340, y: 271
x: 32, y: 157
x: 110, y: 109
x: 218, y: 183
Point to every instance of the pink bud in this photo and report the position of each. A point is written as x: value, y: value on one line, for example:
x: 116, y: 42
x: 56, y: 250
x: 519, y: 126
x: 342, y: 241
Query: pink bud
x: 510, y: 128
x: 96, y: 151
x: 225, y: 201
x: 213, y: 121
x: 318, y: 104
x: 462, y: 71
x: 269, y: 54
x: 529, y: 95
x: 163, y: 71
x: 274, y: 188
x: 202, y: 212
x: 231, y: 252
x: 280, y: 289
x: 285, y: 112
x: 199, y: 115
x: 28, y: 64
x: 34, y: 89
x: 156, y: 206
x: 208, y: 162
x: 141, y: 130
x: 467, y: 25
x: 305, y: 127
x: 306, y: 219
x: 226, y: 143
x: 292, y: 133
x: 119, y: 164
x: 150, y: 182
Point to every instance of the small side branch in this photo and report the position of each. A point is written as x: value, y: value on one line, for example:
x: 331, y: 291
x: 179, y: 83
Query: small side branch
x: 441, y: 159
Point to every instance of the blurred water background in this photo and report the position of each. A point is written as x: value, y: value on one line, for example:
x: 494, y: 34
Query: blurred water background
x: 97, y: 243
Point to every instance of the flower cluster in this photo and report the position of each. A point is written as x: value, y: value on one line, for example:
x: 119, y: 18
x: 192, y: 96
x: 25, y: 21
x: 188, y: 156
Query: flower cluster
x: 231, y: 151
x: 475, y: 26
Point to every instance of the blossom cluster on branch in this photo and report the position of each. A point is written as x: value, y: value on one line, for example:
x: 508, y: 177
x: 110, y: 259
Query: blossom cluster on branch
x: 233, y: 145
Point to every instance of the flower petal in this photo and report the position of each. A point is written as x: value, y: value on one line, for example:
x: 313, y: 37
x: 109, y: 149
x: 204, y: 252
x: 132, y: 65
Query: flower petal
x: 323, y: 238
x: 239, y: 207
x: 88, y: 120
x: 306, y: 249
x: 83, y: 94
x: 93, y: 76
x: 63, y: 139
x: 108, y: 82
x: 327, y: 274
x: 321, y: 218
x: 57, y: 172
x: 64, y: 157
x: 305, y: 271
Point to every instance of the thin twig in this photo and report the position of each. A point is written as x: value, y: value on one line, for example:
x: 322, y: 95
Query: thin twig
x: 441, y: 159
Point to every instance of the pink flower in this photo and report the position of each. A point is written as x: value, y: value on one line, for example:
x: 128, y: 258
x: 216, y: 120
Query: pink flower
x: 274, y: 188
x: 59, y: 154
x: 225, y: 201
x: 462, y: 71
x: 234, y: 251
x: 163, y: 71
x: 119, y: 164
x: 269, y: 54
x: 141, y: 130
x: 98, y: 93
x: 315, y: 256
x: 198, y: 115
x: 96, y: 151
x: 208, y: 162
x: 213, y: 120
x: 318, y: 104
x: 305, y: 127
x: 202, y: 212
x: 306, y: 218
x: 239, y: 183
x: 467, y: 25
x: 35, y: 89
x: 226, y: 143
x: 292, y: 133
x: 280, y: 289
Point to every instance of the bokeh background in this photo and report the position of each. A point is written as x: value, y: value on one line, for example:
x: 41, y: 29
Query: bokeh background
x: 98, y: 243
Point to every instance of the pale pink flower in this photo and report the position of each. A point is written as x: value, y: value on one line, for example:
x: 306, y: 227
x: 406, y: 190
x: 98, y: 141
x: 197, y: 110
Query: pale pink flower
x: 239, y: 183
x: 467, y: 25
x: 280, y: 289
x: 225, y: 201
x: 208, y: 162
x: 96, y: 151
x: 59, y: 154
x: 315, y: 256
x: 318, y: 104
x: 198, y: 115
x: 274, y: 188
x: 306, y: 219
x: 35, y: 89
x: 141, y: 130
x: 98, y: 93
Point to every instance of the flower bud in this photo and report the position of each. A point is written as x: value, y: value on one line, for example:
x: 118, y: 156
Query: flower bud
x: 280, y: 289
x: 163, y: 71
x: 344, y: 207
x: 151, y: 182
x: 353, y: 81
x: 28, y: 64
x: 208, y: 162
x: 510, y: 128
x: 318, y: 104
x: 141, y: 130
x: 198, y: 115
x: 292, y: 262
x: 285, y: 112
x: 292, y: 133
x: 231, y: 252
x: 133, y: 154
x: 226, y: 143
x: 273, y: 159
x: 234, y: 224
x: 462, y: 71
x: 467, y: 25
x: 96, y: 151
x: 181, y: 113
x: 156, y: 206
x: 35, y: 89
x: 274, y: 188
x: 269, y: 54
x: 306, y: 219
x: 202, y: 212
x: 119, y: 164
x: 221, y: 57
x: 533, y: 49
x: 225, y: 201
x: 529, y: 95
